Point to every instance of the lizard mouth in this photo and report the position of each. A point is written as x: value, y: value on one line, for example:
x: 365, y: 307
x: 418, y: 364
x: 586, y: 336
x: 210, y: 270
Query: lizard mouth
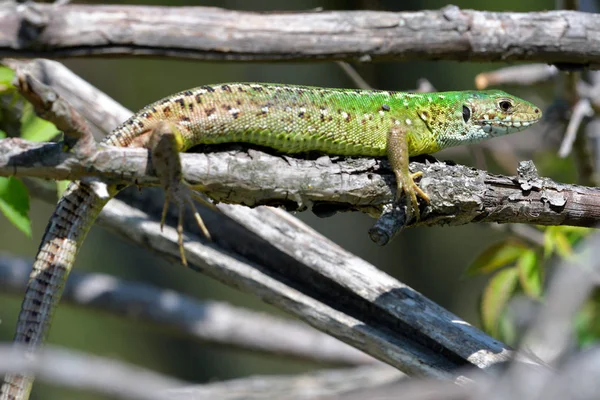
x: 492, y: 126
x: 508, y: 124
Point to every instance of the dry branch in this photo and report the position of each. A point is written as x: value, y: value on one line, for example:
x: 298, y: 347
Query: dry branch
x: 459, y: 194
x: 574, y: 376
x: 318, y: 385
x: 83, y: 371
x: 207, y: 321
x: 125, y: 381
x: 557, y: 37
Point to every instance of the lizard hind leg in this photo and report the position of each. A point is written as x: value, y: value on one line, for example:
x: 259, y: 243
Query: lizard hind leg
x: 165, y: 143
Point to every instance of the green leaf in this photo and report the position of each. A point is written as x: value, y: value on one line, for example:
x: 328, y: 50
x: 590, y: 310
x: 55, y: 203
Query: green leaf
x: 495, y: 296
x: 496, y: 256
x: 14, y: 203
x: 34, y: 128
x: 548, y: 242
x: 562, y: 244
x: 530, y: 274
x: 6, y: 75
x: 507, y: 331
x: 61, y: 186
x: 2, y: 134
x: 587, y: 322
x: 575, y: 229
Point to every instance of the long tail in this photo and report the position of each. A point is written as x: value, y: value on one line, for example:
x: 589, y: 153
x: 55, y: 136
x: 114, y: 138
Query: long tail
x: 74, y: 215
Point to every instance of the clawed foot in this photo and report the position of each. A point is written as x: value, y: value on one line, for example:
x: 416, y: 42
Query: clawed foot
x: 165, y: 142
x: 181, y: 194
x: 408, y: 187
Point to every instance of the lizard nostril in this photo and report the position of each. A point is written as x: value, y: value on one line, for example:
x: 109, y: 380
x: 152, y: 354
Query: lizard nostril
x: 537, y: 111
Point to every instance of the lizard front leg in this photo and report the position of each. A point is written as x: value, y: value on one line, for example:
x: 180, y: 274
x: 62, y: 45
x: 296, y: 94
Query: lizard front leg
x: 397, y: 152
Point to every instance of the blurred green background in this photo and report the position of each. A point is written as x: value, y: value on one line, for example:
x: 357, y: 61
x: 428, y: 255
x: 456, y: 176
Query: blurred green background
x: 431, y: 260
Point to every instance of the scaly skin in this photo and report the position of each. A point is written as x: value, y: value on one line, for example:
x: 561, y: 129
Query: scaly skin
x: 291, y: 119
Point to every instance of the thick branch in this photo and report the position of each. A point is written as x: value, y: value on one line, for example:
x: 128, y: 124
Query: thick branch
x: 339, y: 294
x: 561, y: 37
x: 459, y: 194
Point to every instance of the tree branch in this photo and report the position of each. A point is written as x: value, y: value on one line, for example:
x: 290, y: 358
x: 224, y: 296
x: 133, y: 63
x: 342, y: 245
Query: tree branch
x: 319, y: 385
x: 208, y: 321
x: 558, y: 37
x: 574, y: 376
x: 459, y: 194
x: 329, y: 288
x: 125, y: 381
x: 83, y: 371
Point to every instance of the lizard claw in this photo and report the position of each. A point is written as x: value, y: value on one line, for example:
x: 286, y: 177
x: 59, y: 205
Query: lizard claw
x: 182, y: 194
x: 165, y: 142
x: 408, y: 187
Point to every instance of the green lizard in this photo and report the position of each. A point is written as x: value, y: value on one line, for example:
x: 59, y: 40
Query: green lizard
x: 290, y: 119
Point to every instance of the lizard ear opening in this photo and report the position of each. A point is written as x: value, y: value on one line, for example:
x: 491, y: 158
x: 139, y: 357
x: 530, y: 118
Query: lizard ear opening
x: 466, y: 114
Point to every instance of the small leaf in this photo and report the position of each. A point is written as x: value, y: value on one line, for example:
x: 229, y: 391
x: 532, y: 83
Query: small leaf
x: 496, y: 256
x: 587, y: 322
x: 575, y: 229
x: 2, y: 134
x: 530, y: 274
x: 14, y: 203
x: 507, y: 331
x: 495, y: 296
x: 34, y: 128
x: 548, y: 242
x: 6, y: 75
x: 563, y: 246
x: 61, y: 186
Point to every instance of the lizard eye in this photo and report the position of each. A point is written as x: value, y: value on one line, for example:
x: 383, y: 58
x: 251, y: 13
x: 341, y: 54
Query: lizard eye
x: 466, y: 114
x: 505, y: 105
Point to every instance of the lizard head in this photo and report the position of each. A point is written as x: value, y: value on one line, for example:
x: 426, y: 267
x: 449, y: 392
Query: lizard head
x: 478, y: 115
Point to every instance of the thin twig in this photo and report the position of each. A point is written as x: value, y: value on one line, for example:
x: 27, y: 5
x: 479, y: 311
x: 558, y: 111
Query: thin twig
x: 318, y: 385
x: 581, y: 110
x: 351, y: 72
x: 525, y: 232
x: 53, y: 108
x: 62, y: 80
x: 519, y: 75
